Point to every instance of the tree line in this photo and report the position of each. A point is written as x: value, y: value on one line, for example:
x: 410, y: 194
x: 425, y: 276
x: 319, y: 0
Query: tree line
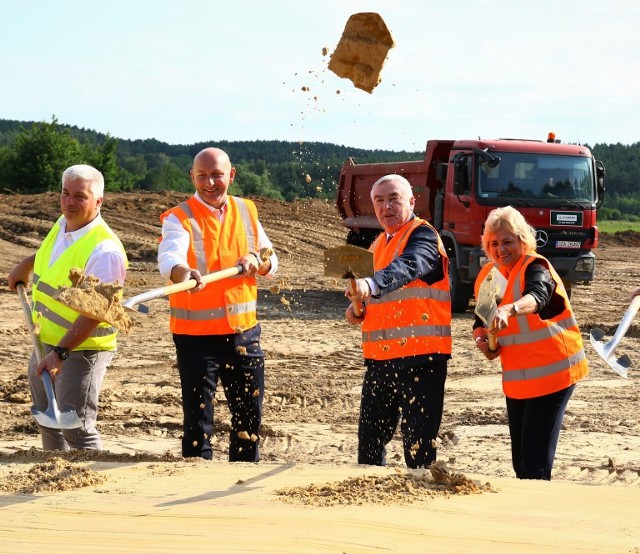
x: 34, y: 154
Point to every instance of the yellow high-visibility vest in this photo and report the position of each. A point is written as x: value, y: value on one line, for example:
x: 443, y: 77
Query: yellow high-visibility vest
x: 53, y: 318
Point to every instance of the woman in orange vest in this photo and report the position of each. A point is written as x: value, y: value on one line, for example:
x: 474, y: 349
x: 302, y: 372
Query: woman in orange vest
x: 406, y: 330
x: 538, y: 341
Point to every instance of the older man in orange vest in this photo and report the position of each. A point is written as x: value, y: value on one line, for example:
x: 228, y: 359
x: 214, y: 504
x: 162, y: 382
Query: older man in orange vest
x: 406, y: 330
x: 215, y: 327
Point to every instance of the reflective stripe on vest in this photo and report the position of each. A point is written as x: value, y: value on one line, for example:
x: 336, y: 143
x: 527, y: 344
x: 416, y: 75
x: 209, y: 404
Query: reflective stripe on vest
x: 412, y: 320
x: 539, y: 356
x: 215, y: 313
x: 53, y: 318
x: 407, y: 294
x: 48, y: 314
x: 230, y: 305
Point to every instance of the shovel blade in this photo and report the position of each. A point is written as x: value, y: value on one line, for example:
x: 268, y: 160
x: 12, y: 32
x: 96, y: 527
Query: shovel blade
x: 489, y: 295
x: 605, y: 350
x: 130, y: 306
x: 55, y: 419
x: 52, y: 417
x: 620, y: 365
x: 348, y: 262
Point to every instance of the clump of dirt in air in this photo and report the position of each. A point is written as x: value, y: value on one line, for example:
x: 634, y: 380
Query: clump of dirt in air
x: 362, y: 50
x: 95, y: 299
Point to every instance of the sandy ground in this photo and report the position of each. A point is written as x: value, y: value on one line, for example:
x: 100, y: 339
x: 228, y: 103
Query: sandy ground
x: 307, y: 494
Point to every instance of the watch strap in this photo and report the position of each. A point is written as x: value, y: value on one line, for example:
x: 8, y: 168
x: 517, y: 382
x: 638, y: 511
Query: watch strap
x: 62, y: 353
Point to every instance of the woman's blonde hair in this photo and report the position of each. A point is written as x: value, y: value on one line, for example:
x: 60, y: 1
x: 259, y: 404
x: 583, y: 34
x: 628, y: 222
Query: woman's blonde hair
x: 511, y: 220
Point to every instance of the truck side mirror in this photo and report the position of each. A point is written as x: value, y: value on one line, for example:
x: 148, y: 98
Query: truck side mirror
x: 600, y: 173
x: 461, y: 183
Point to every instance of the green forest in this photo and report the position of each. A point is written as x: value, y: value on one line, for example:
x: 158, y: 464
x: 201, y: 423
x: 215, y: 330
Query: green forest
x: 33, y: 155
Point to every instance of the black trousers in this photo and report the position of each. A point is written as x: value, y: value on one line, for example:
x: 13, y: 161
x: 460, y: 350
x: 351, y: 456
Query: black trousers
x: 413, y: 396
x: 534, y: 426
x: 238, y: 362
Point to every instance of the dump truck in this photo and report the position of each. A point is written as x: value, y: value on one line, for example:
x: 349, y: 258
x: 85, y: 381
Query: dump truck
x: 557, y: 187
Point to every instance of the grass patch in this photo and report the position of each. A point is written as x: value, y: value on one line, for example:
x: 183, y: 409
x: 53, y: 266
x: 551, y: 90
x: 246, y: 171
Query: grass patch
x: 615, y: 226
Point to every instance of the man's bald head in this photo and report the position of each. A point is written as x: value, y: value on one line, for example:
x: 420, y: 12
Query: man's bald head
x: 212, y: 174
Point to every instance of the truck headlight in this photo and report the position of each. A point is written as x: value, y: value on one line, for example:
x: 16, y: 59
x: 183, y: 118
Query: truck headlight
x: 585, y: 265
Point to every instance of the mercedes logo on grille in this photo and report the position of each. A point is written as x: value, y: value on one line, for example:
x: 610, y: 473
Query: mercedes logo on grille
x: 541, y: 238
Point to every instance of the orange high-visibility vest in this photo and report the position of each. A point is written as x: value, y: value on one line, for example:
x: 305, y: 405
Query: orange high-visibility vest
x: 226, y: 306
x: 538, y: 356
x: 410, y: 321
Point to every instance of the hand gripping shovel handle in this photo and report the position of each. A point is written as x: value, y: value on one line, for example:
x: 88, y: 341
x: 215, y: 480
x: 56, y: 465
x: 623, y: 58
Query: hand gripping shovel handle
x: 181, y: 287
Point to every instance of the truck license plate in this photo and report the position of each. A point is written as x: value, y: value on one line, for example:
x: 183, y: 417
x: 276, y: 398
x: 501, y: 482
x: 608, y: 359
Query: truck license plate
x: 568, y: 244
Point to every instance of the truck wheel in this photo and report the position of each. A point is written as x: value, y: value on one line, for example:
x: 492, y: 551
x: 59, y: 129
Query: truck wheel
x: 567, y: 287
x: 460, y: 291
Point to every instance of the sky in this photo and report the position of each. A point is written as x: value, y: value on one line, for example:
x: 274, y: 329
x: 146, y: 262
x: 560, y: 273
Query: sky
x: 204, y: 71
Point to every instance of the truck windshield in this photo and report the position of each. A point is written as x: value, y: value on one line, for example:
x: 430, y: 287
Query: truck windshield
x: 536, y: 176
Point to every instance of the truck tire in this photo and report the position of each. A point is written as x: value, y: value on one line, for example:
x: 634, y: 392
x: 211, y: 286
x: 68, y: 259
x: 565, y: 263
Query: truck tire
x: 460, y: 291
x: 568, y: 287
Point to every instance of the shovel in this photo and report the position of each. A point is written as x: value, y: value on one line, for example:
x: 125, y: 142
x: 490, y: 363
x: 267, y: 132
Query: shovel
x: 349, y: 262
x: 52, y: 417
x: 623, y: 363
x: 489, y: 295
x: 135, y: 303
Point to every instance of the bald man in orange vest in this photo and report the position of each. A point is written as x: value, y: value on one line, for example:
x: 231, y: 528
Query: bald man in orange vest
x: 215, y: 327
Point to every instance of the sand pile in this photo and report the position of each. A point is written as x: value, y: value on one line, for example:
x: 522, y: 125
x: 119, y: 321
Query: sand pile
x: 52, y: 475
x: 402, y: 488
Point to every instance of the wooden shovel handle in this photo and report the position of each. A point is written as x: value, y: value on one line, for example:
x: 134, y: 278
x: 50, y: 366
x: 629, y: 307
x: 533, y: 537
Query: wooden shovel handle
x: 207, y: 278
x: 357, y: 307
x: 181, y: 287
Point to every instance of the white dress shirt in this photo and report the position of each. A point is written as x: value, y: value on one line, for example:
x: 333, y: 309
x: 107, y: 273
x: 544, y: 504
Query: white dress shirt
x: 106, y: 262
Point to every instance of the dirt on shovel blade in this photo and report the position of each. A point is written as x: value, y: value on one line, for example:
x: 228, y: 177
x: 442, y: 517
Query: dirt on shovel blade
x: 95, y: 299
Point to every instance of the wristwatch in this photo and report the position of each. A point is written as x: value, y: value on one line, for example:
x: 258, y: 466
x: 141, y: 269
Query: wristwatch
x: 63, y: 353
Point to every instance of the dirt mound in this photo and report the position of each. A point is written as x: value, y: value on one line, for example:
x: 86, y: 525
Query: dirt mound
x: 403, y: 487
x: 621, y: 238
x: 52, y: 475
